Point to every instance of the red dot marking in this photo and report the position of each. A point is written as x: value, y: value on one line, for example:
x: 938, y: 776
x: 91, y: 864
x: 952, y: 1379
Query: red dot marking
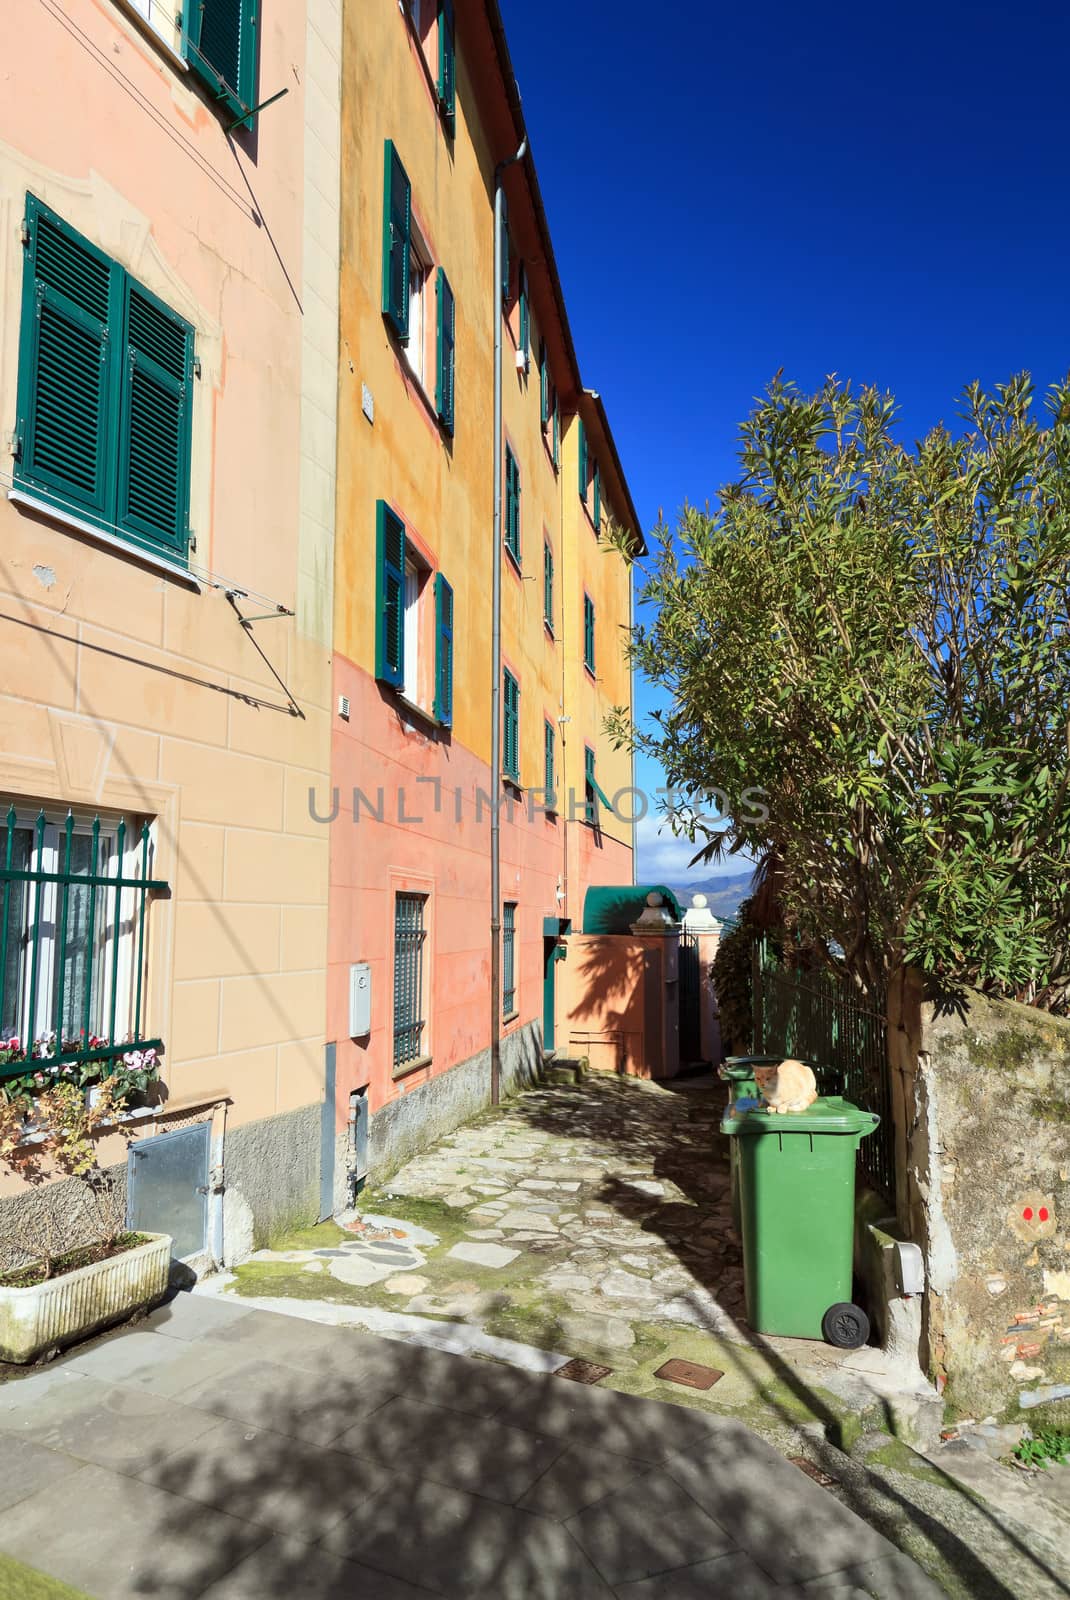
x: 1028, y: 1214
x: 1043, y: 1213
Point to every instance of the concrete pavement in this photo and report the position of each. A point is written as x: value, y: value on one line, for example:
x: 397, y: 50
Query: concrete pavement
x: 220, y: 1452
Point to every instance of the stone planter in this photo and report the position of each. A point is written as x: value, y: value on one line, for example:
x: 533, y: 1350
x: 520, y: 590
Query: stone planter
x: 66, y: 1308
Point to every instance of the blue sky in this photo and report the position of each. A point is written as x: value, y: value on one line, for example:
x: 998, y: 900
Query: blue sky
x: 874, y: 191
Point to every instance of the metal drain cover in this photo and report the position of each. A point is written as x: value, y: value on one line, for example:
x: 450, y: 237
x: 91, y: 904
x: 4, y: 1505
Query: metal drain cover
x: 583, y: 1371
x: 690, y: 1373
x: 812, y: 1470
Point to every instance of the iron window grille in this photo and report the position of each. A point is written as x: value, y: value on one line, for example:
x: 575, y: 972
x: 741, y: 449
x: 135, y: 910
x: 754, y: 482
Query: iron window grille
x: 409, y: 936
x: 74, y: 897
x: 508, y: 958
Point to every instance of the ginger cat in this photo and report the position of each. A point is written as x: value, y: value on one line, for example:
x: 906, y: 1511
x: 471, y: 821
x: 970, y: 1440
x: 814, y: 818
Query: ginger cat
x: 791, y: 1086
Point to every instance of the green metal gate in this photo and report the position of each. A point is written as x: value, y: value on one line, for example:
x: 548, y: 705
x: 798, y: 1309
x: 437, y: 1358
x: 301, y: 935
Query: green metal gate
x: 690, y: 1000
x: 817, y: 1016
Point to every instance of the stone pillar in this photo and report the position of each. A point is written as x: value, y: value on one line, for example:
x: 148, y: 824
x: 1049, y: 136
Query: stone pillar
x: 701, y: 922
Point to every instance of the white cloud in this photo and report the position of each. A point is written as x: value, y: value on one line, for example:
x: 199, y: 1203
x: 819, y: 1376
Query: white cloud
x: 662, y: 858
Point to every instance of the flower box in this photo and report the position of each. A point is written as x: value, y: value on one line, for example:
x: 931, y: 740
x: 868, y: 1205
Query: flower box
x: 73, y: 1304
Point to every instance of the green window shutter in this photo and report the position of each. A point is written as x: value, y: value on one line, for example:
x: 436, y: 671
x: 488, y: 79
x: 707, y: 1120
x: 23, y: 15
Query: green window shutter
x: 447, y: 65
x: 557, y: 433
x: 548, y: 586
x: 446, y: 346
x: 525, y: 315
x: 68, y: 355
x: 512, y: 505
x: 221, y: 49
x: 397, y: 242
x: 506, y: 263
x: 597, y: 499
x: 588, y: 632
x: 544, y: 383
x: 589, y: 786
x: 443, y: 706
x: 584, y: 473
x: 548, y: 775
x: 511, y: 727
x: 156, y: 423
x: 389, y: 596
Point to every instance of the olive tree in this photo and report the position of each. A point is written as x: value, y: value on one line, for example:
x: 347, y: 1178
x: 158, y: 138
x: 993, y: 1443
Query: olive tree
x: 875, y: 635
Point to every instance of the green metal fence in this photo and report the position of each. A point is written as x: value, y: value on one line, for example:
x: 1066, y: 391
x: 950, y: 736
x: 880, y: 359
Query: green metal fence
x: 73, y: 953
x: 816, y: 1016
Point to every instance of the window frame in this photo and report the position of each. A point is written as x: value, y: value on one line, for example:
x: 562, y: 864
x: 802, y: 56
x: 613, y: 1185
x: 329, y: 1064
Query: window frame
x: 511, y: 531
x: 590, y: 787
x: 510, y: 716
x: 238, y: 99
x: 549, y: 765
x: 510, y: 986
x: 419, y: 1056
x: 588, y: 633
x: 548, y: 587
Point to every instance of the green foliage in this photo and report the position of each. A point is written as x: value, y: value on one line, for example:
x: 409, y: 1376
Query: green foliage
x: 876, y: 638
x: 732, y: 981
x: 1048, y: 1445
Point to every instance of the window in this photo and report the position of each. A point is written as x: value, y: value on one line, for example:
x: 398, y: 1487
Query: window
x: 73, y: 946
x: 402, y: 613
x: 104, y: 425
x: 447, y: 66
x: 160, y: 16
x: 557, y: 434
x: 596, y: 515
x: 511, y: 727
x: 585, y: 468
x: 544, y: 385
x: 419, y: 278
x: 590, y: 787
x: 390, y: 596
x: 523, y: 336
x: 548, y: 585
x: 549, y: 778
x: 509, y: 959
x: 512, y: 505
x: 443, y: 707
x: 446, y: 319
x: 397, y: 242
x: 409, y: 937
x: 588, y: 633
x: 221, y: 49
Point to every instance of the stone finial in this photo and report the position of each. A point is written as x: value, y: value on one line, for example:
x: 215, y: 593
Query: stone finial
x: 699, y: 918
x: 699, y: 901
x: 656, y: 918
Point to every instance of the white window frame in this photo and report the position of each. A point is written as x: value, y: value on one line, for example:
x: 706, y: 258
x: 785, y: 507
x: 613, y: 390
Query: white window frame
x: 421, y: 274
x: 411, y: 621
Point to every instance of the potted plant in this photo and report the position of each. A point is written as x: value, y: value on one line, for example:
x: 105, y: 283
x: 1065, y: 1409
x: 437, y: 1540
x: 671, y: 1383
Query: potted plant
x: 67, y: 1273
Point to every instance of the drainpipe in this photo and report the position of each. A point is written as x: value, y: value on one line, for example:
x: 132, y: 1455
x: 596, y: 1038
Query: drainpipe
x: 496, y: 654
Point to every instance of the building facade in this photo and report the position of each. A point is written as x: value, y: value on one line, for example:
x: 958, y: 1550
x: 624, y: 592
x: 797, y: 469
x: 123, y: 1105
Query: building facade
x: 168, y: 361
x: 429, y: 110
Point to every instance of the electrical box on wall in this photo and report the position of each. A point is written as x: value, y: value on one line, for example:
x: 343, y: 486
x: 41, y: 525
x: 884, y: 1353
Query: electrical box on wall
x: 360, y: 1000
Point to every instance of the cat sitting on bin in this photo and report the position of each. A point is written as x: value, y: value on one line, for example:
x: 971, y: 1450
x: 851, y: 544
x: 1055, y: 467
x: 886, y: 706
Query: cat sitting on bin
x: 791, y: 1086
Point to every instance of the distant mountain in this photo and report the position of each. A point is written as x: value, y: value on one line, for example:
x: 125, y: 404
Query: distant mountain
x: 723, y: 893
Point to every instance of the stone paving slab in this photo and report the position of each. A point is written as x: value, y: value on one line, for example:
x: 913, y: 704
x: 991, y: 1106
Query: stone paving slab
x: 384, y: 1471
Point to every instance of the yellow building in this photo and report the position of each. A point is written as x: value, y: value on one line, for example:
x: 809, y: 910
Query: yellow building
x: 429, y: 110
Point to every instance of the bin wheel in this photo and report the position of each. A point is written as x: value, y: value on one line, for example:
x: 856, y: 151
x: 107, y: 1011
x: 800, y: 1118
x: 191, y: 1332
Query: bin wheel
x: 845, y: 1325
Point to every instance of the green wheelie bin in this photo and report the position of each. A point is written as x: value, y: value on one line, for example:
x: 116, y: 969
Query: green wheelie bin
x: 738, y: 1073
x: 797, y: 1194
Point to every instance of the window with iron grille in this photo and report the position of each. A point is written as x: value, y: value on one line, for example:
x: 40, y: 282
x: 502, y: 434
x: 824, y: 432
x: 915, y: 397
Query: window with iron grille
x: 508, y: 958
x: 409, y: 936
x: 74, y: 896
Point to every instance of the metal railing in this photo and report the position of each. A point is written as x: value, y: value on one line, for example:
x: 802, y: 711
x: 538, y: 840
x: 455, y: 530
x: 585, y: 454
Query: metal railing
x: 73, y: 952
x: 818, y: 1017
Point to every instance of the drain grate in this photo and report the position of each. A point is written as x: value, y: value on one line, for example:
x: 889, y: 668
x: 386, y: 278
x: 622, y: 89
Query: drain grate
x: 812, y: 1470
x: 690, y: 1373
x: 583, y: 1371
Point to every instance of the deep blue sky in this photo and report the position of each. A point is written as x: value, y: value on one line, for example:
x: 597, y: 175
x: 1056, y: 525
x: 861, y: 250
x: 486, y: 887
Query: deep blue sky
x: 880, y: 192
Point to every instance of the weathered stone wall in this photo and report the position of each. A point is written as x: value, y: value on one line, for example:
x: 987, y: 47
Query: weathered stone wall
x: 987, y: 1146
x: 271, y: 1178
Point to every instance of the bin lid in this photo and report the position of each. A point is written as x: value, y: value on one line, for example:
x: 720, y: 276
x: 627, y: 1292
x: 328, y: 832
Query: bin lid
x: 828, y: 1114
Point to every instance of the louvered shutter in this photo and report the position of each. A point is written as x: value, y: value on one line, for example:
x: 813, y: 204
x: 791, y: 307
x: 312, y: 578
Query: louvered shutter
x: 548, y: 764
x: 221, y: 48
x: 71, y: 305
x: 447, y: 64
x: 584, y: 473
x: 589, y: 785
x: 588, y: 632
x: 511, y: 739
x: 524, y: 318
x: 443, y: 707
x: 389, y: 596
x: 597, y: 499
x: 557, y: 433
x: 548, y: 586
x: 397, y: 241
x: 446, y: 345
x: 157, y: 406
x: 544, y: 383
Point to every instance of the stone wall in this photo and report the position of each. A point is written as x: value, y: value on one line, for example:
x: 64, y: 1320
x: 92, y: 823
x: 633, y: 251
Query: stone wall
x: 984, y: 1123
